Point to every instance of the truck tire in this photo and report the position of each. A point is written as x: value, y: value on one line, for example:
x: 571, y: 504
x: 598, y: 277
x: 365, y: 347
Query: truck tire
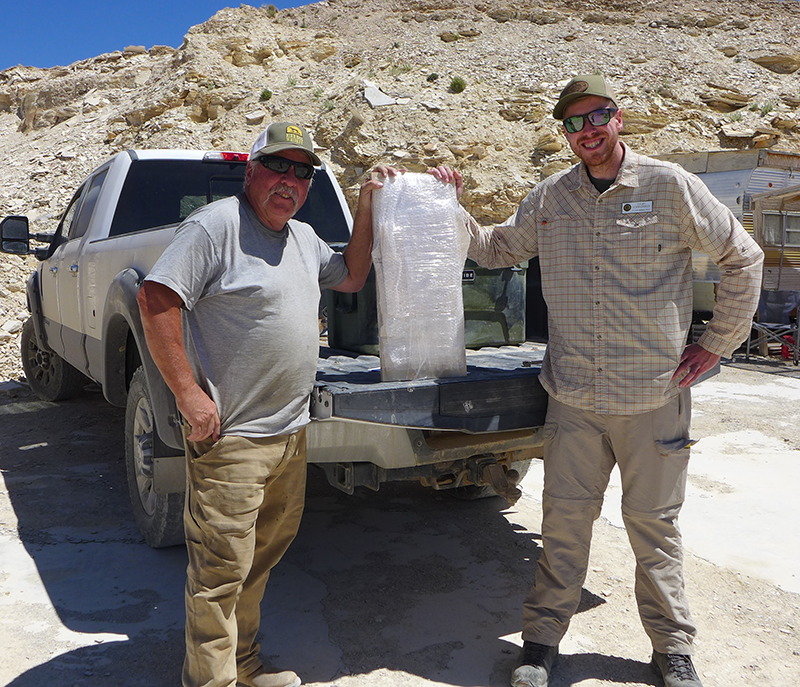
x: 50, y: 377
x: 158, y: 516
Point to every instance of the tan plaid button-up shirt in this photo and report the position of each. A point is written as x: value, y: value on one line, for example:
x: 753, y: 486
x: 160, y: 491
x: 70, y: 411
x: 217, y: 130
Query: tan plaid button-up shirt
x: 617, y: 279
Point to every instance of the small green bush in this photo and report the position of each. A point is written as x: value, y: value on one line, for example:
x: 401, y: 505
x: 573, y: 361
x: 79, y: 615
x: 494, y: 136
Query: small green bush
x: 272, y: 11
x: 432, y: 77
x: 400, y: 69
x: 457, y: 84
x: 266, y: 94
x: 766, y: 108
x: 736, y: 116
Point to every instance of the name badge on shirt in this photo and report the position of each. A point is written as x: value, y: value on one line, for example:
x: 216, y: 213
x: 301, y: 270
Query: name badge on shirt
x: 641, y: 206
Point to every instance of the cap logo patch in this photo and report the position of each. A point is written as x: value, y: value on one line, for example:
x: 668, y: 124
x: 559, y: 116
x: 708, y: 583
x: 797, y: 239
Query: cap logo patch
x: 294, y: 135
x: 577, y: 87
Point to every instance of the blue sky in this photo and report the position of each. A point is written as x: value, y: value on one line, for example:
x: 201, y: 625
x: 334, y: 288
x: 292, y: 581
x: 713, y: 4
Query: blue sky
x: 46, y: 33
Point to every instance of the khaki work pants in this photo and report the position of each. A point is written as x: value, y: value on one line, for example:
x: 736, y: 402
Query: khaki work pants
x: 652, y: 452
x: 244, y: 502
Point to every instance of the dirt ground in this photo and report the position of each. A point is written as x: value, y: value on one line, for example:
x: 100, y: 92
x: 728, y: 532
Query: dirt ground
x: 401, y: 587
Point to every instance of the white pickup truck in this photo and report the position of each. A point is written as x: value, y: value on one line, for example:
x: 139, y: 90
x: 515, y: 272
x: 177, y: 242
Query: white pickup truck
x: 462, y: 434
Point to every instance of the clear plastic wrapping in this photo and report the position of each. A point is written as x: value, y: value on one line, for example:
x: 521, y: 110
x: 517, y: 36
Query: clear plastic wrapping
x: 420, y: 247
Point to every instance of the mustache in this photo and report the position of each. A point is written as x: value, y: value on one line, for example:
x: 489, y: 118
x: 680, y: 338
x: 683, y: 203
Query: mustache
x: 285, y: 190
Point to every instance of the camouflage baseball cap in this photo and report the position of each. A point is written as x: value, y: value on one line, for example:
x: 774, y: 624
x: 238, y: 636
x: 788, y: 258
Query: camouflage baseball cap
x: 581, y: 86
x: 283, y: 136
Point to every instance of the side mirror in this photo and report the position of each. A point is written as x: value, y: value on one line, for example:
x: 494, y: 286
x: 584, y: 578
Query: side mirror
x: 14, y: 236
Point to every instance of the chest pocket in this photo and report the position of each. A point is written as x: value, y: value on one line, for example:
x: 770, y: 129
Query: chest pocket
x: 639, y: 237
x: 558, y: 238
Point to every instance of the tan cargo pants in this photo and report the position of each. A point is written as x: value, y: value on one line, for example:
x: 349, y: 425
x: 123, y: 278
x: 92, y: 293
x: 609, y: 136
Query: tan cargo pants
x: 244, y: 502
x: 652, y: 452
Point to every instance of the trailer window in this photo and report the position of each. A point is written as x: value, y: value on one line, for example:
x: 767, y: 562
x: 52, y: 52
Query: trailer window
x: 774, y: 226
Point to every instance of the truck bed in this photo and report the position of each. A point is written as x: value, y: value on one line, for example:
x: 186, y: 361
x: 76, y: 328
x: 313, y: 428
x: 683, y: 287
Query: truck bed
x: 501, y: 391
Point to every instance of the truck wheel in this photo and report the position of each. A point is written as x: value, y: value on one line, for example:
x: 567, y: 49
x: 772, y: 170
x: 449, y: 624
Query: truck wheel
x: 158, y: 516
x: 50, y: 377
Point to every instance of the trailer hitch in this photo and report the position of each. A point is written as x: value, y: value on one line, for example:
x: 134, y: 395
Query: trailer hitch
x: 504, y: 483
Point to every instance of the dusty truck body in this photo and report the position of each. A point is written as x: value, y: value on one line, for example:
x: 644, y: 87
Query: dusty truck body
x: 461, y: 433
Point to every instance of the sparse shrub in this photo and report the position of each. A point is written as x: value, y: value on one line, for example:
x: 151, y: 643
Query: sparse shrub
x: 266, y: 94
x: 400, y: 69
x: 736, y: 116
x: 396, y: 44
x: 432, y: 77
x: 457, y: 84
x: 272, y: 11
x: 318, y: 93
x: 328, y: 105
x: 291, y: 82
x: 766, y: 108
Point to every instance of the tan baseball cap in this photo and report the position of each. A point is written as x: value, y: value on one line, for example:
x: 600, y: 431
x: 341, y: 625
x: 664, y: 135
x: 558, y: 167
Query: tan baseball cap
x: 581, y: 86
x: 283, y: 136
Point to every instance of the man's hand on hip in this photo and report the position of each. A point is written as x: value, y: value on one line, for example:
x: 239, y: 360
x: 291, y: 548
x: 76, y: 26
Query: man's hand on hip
x: 201, y: 413
x: 695, y: 362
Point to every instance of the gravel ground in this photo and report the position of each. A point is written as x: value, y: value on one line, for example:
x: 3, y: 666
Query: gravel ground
x: 404, y: 586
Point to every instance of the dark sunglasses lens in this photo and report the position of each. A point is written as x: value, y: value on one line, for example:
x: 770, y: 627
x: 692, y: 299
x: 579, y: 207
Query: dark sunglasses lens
x: 597, y: 118
x: 573, y: 124
x: 303, y: 170
x: 275, y: 164
x: 600, y: 118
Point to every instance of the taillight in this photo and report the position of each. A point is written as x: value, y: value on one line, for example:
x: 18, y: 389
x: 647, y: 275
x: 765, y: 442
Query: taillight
x: 220, y: 156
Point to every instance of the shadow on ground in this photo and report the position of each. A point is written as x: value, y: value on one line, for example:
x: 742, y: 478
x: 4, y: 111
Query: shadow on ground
x: 404, y: 579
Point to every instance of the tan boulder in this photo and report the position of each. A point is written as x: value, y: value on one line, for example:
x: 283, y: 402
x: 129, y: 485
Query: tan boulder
x: 638, y: 122
x: 724, y: 100
x: 780, y: 63
x: 784, y: 122
x: 549, y: 142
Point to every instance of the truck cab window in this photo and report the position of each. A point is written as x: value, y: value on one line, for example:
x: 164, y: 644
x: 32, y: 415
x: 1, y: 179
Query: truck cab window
x: 67, y: 219
x: 80, y: 224
x: 159, y: 193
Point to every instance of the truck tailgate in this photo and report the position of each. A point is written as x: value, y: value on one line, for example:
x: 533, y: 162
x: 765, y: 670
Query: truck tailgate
x: 501, y: 391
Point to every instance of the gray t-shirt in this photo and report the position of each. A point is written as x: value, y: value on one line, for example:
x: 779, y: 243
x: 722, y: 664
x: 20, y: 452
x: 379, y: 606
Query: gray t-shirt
x: 251, y: 323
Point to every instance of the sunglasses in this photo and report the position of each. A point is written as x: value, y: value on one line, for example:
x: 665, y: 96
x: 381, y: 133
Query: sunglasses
x: 597, y: 118
x: 302, y: 170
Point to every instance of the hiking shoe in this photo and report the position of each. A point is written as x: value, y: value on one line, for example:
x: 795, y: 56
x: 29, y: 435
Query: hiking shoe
x: 535, y: 662
x: 676, y: 670
x: 261, y: 678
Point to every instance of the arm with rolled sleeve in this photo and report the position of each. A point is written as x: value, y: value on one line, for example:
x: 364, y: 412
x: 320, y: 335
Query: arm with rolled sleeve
x: 713, y: 229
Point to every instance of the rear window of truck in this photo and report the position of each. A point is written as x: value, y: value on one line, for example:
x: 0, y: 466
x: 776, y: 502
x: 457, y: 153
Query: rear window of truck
x: 160, y: 193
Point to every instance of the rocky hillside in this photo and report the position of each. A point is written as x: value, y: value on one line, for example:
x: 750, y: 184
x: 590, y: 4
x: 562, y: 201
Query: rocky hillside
x: 374, y: 82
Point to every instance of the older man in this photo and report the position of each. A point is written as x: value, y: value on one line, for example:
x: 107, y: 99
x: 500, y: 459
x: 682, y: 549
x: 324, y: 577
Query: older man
x: 614, y: 235
x: 230, y: 317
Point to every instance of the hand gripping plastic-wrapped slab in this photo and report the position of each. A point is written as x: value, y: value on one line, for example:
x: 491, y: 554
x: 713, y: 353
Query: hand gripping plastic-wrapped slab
x: 419, y: 251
